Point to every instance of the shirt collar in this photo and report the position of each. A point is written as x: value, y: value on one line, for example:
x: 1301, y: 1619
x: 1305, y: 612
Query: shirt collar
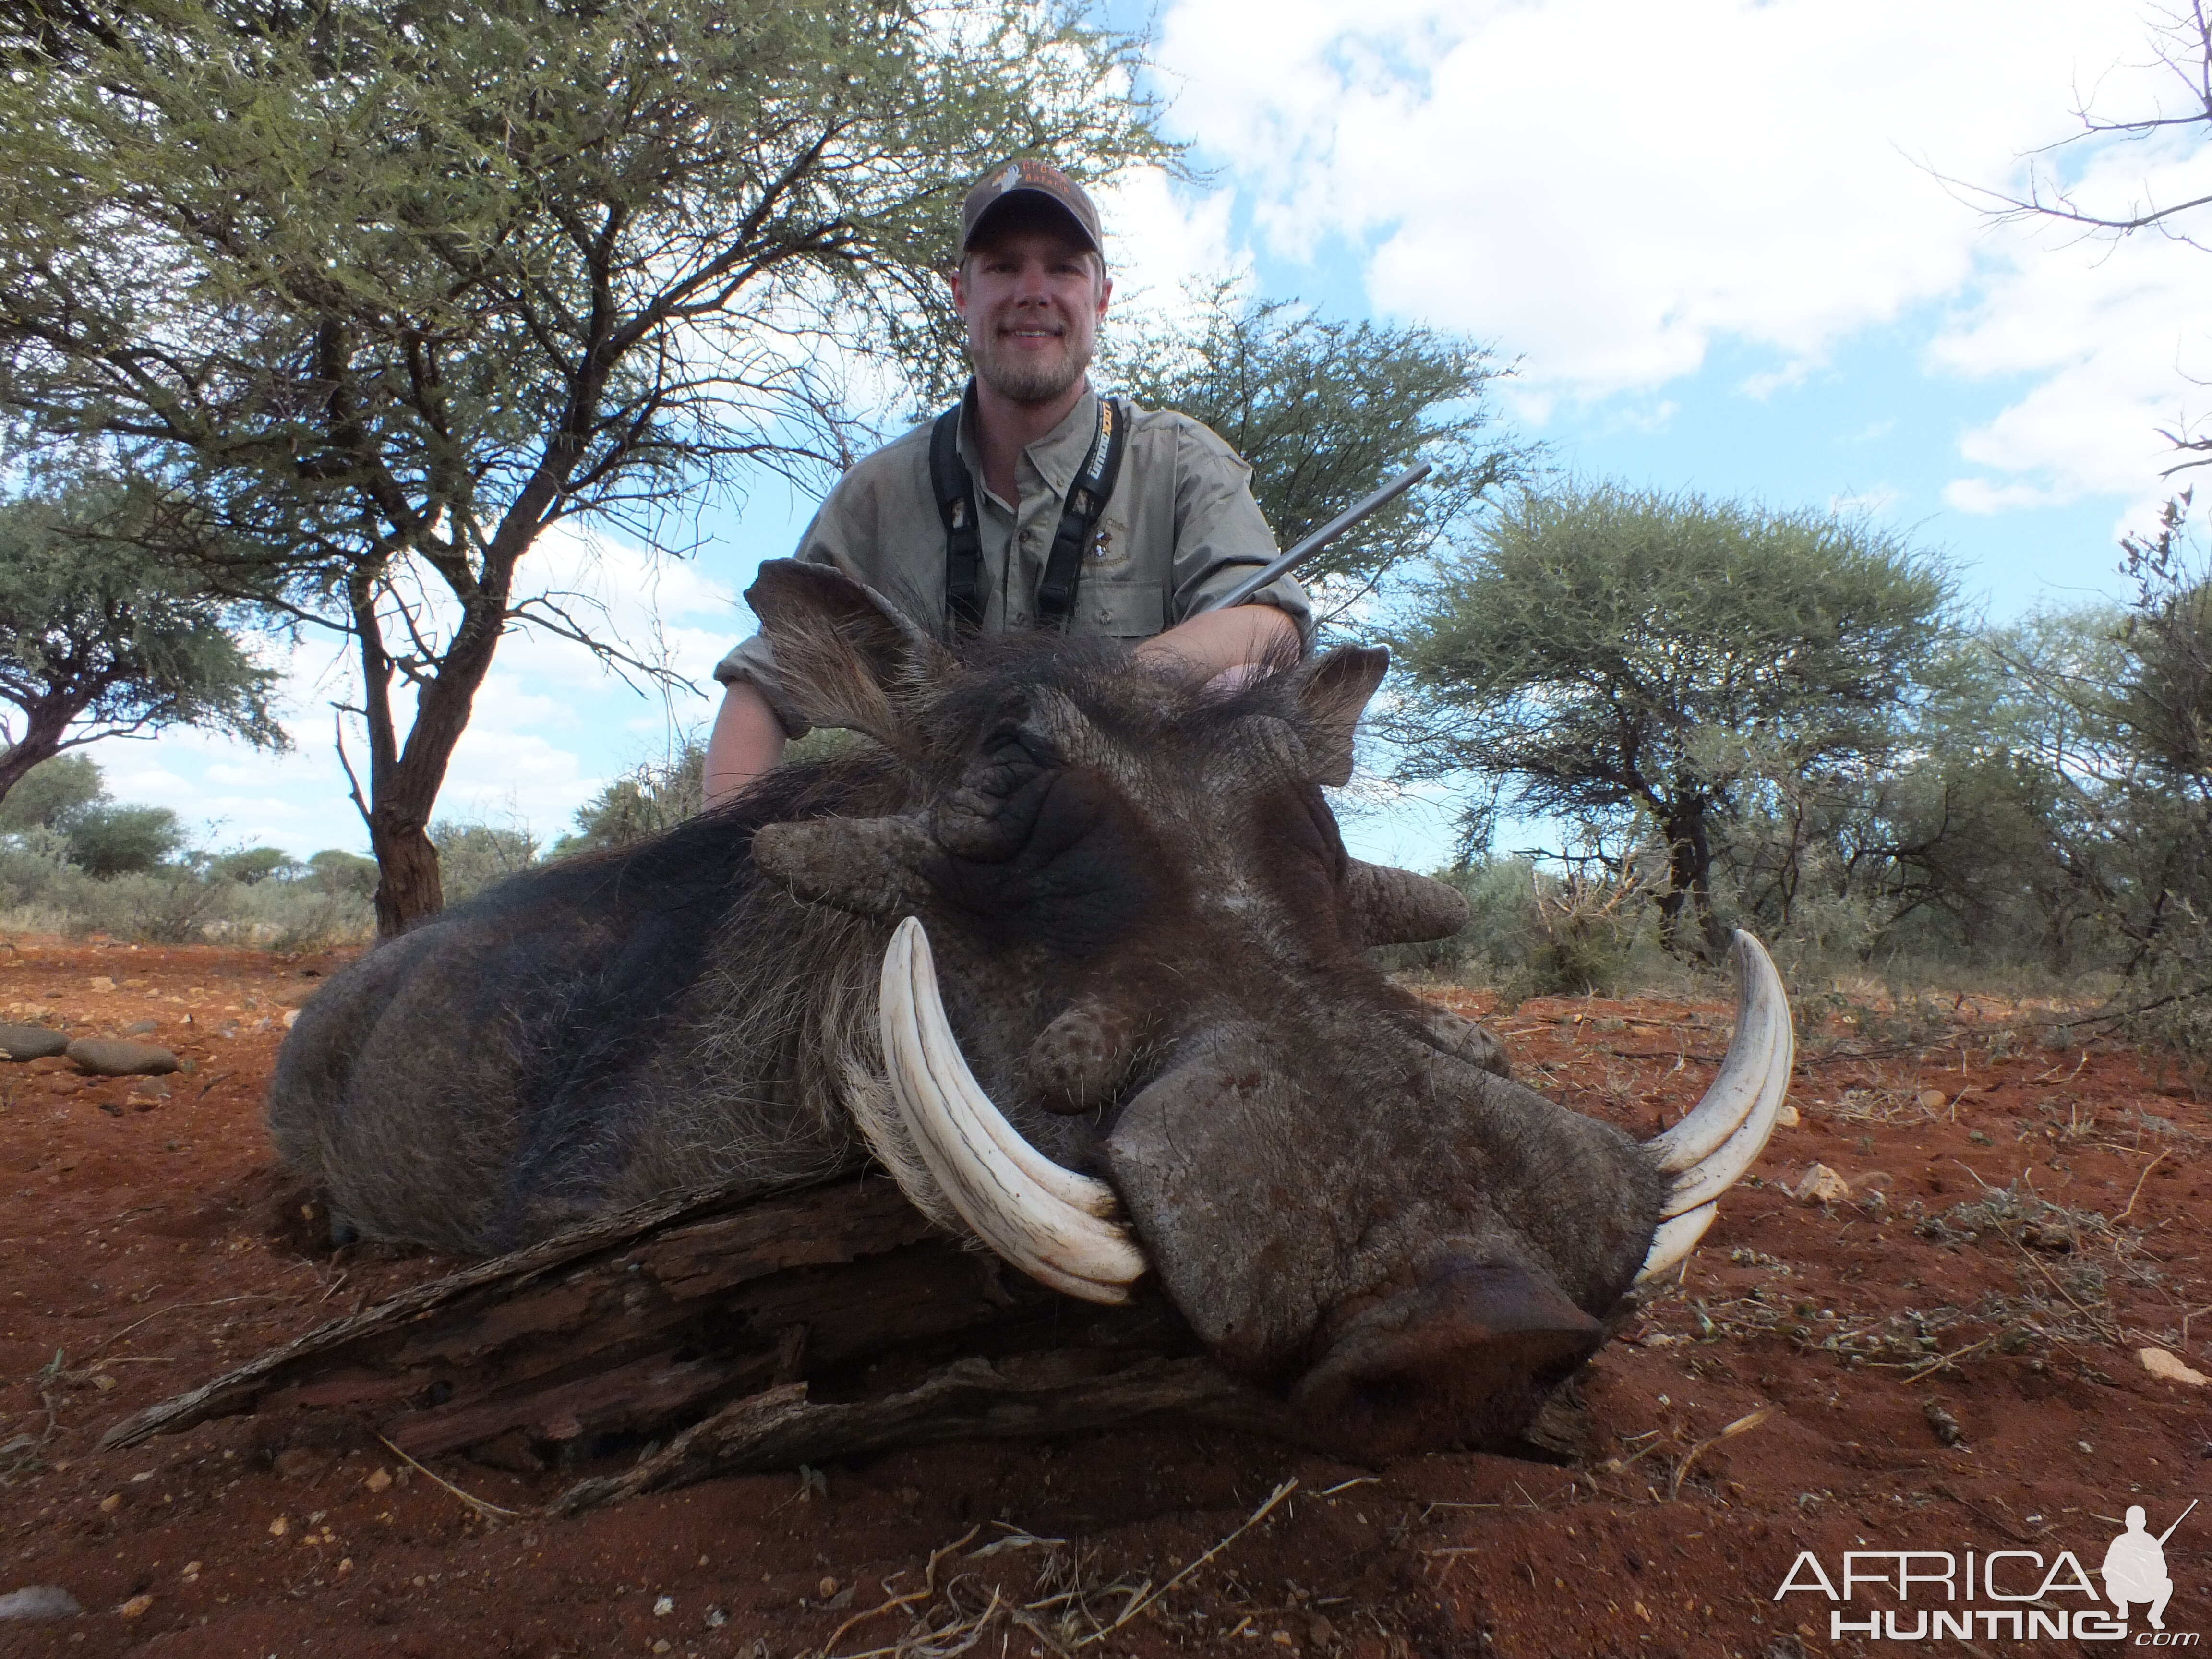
x: 1059, y: 455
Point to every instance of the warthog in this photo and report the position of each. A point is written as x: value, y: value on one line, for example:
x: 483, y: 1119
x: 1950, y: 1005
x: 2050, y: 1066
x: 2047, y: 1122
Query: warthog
x: 1077, y: 954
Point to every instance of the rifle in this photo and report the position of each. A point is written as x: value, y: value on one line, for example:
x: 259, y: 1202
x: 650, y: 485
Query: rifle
x: 1322, y: 537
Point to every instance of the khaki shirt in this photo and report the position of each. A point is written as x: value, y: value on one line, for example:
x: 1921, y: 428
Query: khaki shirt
x: 1180, y: 527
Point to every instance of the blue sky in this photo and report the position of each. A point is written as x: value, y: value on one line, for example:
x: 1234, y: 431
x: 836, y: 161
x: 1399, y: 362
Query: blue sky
x: 1715, y: 237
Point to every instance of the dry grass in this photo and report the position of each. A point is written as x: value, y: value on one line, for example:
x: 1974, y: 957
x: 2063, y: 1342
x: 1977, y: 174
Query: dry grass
x: 1072, y: 1603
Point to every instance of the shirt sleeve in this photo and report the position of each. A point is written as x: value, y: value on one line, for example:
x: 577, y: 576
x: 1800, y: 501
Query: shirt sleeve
x: 1221, y: 536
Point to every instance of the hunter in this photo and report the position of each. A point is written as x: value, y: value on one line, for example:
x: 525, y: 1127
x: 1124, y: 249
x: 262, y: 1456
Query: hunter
x: 1035, y: 503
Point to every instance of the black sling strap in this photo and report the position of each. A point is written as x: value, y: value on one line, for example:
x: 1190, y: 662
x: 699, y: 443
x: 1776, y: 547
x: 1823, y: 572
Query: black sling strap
x: 955, y: 505
x: 1093, y: 487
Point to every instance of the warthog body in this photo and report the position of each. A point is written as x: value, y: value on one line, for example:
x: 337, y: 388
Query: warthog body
x: 1149, y: 943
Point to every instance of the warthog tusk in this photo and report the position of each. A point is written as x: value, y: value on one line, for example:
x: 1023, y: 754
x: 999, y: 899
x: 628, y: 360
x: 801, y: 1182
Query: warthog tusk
x: 1049, y: 1222
x: 1762, y: 1030
x: 1676, y: 1237
x: 1728, y: 1129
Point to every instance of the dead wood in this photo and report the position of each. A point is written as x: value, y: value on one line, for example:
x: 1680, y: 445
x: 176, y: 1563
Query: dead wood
x: 971, y: 1399
x: 759, y: 1331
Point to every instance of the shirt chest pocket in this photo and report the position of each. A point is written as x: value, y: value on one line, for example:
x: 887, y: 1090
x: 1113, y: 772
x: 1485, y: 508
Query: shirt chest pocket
x: 1113, y: 544
x: 1120, y: 609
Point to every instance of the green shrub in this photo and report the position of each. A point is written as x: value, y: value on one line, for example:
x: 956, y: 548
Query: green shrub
x: 474, y: 856
x: 252, y: 866
x: 45, y: 797
x: 118, y: 841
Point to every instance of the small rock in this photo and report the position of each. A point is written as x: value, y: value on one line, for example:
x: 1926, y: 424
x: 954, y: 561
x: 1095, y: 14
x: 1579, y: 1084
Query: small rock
x: 1945, y: 1425
x: 279, y: 1526
x: 378, y: 1482
x: 1934, y: 1100
x: 40, y: 1601
x: 291, y: 1018
x: 1321, y: 1631
x: 2159, y: 1363
x: 99, y: 983
x: 663, y: 1605
x: 111, y: 1502
x: 135, y: 1607
x: 141, y: 1028
x: 1787, y: 1118
x: 1821, y: 1185
x: 32, y: 1041
x: 827, y: 1588
x: 2050, y: 1235
x: 112, y: 1057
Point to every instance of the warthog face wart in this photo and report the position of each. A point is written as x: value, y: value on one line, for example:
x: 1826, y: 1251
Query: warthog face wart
x: 1078, y: 956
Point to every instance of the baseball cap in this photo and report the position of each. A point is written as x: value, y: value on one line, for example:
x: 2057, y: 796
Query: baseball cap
x: 1029, y: 178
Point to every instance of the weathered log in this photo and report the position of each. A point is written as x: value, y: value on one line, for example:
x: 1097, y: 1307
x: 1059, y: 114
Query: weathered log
x: 976, y: 1399
x: 746, y: 1333
x: 641, y: 1325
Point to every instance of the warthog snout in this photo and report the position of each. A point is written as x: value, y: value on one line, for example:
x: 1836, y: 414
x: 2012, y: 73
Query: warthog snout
x: 1467, y: 1352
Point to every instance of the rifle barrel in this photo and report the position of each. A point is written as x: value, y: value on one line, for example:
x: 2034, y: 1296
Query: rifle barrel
x: 2177, y: 1520
x: 1322, y: 537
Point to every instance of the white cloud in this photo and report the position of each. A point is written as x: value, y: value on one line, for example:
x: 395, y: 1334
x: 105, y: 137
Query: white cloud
x: 1159, y: 235
x: 550, y: 724
x: 2116, y: 339
x: 1610, y: 190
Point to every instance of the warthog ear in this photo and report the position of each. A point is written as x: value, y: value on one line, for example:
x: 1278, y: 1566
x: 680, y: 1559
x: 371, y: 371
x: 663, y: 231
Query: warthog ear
x: 843, y: 651
x: 867, y: 866
x: 1333, y: 694
x: 1396, y: 907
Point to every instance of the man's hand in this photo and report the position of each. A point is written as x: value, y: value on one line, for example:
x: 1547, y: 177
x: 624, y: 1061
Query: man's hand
x: 1221, y: 646
x: 747, y: 740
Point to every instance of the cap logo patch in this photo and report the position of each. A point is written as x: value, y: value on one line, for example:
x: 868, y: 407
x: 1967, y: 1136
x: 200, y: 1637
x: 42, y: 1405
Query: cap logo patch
x: 1009, y: 178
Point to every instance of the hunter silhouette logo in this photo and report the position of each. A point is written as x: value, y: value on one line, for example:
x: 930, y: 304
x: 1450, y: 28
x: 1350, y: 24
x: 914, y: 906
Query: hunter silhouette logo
x: 2135, y: 1566
x: 2034, y: 1598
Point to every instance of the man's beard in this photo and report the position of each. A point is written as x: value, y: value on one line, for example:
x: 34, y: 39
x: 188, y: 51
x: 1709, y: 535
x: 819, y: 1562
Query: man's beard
x: 1029, y: 377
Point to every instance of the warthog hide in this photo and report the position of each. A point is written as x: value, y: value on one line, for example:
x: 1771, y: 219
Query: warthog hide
x: 1131, y: 1037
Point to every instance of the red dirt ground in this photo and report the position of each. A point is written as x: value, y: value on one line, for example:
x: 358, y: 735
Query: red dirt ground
x: 147, y: 1243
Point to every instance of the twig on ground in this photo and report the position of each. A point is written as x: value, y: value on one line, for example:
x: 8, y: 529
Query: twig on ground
x: 1743, y: 1424
x: 1138, y: 1604
x: 2139, y: 1179
x: 483, y: 1507
x: 928, y: 1589
x: 1943, y: 1360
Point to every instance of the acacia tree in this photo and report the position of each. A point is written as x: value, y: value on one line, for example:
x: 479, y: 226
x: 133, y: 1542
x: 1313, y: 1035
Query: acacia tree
x: 389, y: 289
x: 102, y: 635
x: 1323, y: 410
x: 1630, y: 660
x: 2122, y: 728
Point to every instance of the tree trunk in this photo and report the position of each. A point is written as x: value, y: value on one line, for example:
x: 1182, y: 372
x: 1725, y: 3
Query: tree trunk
x: 1689, y: 883
x: 46, y: 722
x: 408, y: 883
x: 25, y: 756
x: 405, y: 780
